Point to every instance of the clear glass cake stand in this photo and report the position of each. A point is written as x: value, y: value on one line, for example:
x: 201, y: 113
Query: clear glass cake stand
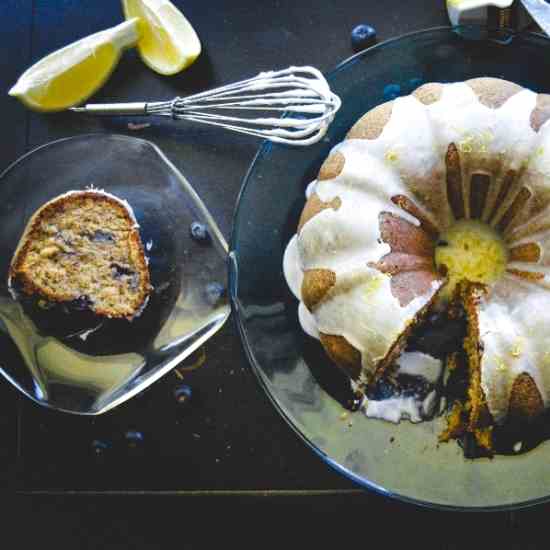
x: 403, y: 461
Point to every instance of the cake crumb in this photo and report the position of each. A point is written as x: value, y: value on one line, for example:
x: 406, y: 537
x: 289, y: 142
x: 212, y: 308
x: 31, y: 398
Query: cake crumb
x: 517, y: 446
x: 344, y: 415
x: 516, y: 350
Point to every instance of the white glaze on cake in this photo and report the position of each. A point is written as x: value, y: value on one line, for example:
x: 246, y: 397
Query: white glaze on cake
x: 408, y: 159
x: 292, y: 267
x: 357, y: 298
x: 416, y: 363
x: 310, y: 189
x: 395, y: 409
x: 514, y: 324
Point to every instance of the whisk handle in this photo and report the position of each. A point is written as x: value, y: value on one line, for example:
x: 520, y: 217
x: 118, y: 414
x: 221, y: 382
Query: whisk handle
x: 113, y: 109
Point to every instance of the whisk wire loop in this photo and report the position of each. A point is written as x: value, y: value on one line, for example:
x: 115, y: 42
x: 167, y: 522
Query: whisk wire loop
x: 300, y: 92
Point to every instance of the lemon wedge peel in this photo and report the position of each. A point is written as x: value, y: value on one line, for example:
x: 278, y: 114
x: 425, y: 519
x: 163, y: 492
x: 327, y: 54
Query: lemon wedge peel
x: 168, y: 42
x: 69, y: 76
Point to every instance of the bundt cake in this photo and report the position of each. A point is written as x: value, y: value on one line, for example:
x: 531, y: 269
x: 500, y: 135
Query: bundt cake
x: 436, y: 206
x: 83, y: 248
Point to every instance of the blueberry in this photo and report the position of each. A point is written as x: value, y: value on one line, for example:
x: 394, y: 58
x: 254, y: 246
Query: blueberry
x: 414, y: 386
x: 100, y: 447
x: 214, y: 292
x: 133, y: 438
x: 199, y: 232
x: 382, y: 390
x: 391, y: 91
x: 82, y: 303
x: 103, y: 236
x: 362, y: 37
x: 182, y: 394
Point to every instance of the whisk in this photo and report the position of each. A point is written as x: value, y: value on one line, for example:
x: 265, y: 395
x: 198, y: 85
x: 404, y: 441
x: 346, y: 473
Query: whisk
x: 300, y: 92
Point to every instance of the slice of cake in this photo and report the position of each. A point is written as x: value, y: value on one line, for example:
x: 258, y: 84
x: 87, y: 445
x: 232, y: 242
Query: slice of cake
x: 83, y: 247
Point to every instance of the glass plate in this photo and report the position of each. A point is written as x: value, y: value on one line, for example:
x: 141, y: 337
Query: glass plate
x: 66, y: 367
x: 402, y: 460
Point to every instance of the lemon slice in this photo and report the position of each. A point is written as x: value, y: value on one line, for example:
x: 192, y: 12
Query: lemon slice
x: 69, y: 76
x: 168, y: 42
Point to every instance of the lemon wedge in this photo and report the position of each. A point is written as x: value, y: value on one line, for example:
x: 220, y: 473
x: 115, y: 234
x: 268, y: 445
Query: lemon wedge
x: 168, y: 42
x: 70, y: 75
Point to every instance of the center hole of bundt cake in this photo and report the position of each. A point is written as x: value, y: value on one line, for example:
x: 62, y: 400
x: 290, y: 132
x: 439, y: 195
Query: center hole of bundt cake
x: 470, y: 250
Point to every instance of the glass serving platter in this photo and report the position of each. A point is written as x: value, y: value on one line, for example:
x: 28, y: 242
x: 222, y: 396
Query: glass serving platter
x: 405, y: 460
x: 90, y: 372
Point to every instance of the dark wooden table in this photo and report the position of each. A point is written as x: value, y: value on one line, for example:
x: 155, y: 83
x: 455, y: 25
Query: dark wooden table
x: 228, y: 456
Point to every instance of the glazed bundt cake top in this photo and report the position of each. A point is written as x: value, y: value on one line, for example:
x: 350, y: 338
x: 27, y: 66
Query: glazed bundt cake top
x: 83, y: 246
x: 362, y: 262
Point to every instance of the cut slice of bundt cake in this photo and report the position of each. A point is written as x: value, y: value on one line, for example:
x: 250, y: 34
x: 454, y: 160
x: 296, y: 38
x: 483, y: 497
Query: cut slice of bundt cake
x: 83, y: 246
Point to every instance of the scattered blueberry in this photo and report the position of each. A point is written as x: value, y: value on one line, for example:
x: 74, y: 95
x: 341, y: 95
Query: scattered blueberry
x: 391, y: 91
x: 183, y: 394
x: 133, y: 438
x: 362, y: 37
x: 214, y: 293
x: 199, y: 232
x: 100, y: 447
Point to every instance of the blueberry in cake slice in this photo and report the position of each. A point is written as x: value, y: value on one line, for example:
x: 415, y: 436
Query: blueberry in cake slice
x: 83, y: 247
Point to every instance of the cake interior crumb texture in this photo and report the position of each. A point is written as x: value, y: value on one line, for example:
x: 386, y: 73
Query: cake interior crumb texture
x: 84, y: 246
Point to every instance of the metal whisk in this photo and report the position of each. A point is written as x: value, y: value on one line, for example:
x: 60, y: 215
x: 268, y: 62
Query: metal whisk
x: 301, y: 92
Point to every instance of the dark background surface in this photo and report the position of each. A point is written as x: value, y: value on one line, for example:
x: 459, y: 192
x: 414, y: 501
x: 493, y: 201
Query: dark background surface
x: 225, y: 466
